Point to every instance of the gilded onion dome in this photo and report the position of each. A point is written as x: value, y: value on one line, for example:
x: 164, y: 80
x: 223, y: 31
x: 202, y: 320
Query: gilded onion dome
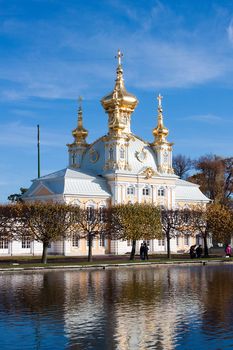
x: 160, y: 132
x: 119, y: 104
x: 80, y: 133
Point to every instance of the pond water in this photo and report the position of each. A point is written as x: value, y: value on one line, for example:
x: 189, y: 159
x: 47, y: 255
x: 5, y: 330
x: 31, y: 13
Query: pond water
x: 183, y: 307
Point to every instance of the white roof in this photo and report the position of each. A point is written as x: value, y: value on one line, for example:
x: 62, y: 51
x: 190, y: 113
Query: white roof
x: 187, y: 191
x: 71, y: 182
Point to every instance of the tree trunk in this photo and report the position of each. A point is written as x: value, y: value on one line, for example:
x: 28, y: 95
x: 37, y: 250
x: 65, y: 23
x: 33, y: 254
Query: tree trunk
x: 168, y: 246
x: 90, y: 246
x: 44, y: 255
x: 132, y: 255
x: 206, y: 252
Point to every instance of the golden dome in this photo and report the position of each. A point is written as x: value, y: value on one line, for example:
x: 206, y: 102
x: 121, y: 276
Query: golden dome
x: 119, y: 95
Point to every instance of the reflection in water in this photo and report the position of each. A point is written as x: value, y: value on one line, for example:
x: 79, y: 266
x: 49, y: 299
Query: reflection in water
x: 126, y: 308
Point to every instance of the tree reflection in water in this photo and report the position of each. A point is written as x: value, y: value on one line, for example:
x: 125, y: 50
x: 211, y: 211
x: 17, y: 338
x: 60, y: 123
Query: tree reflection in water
x: 126, y: 308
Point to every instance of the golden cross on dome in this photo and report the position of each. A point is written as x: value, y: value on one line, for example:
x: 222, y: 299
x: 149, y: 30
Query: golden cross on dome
x: 159, y: 98
x: 118, y: 56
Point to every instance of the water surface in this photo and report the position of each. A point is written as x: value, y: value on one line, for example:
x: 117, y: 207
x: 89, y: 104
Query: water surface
x: 127, y: 308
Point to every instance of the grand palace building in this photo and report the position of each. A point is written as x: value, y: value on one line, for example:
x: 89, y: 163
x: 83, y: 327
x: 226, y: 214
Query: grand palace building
x: 119, y: 167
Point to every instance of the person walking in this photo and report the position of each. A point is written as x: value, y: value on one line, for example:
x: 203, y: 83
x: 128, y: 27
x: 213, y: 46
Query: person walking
x: 228, y: 251
x: 192, y: 251
x: 146, y: 249
x: 142, y: 252
x: 199, y: 251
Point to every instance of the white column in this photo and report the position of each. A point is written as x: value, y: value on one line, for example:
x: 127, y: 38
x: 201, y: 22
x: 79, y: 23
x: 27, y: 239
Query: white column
x: 140, y: 186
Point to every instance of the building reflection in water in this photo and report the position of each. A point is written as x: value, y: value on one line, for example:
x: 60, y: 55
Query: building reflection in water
x: 126, y: 308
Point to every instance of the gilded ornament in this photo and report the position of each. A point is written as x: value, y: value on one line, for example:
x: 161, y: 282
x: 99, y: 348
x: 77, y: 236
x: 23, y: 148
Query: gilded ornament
x: 94, y: 155
x: 141, y: 156
x: 148, y: 172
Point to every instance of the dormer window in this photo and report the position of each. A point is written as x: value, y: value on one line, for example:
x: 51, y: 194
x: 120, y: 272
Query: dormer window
x: 130, y: 190
x: 122, y: 153
x: 146, y: 191
x: 161, y: 192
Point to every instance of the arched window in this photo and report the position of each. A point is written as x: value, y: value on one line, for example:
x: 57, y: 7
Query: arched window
x: 161, y: 192
x: 73, y: 158
x: 146, y: 191
x: 90, y: 212
x: 130, y: 190
x: 122, y: 153
x: 111, y: 154
x: 102, y: 213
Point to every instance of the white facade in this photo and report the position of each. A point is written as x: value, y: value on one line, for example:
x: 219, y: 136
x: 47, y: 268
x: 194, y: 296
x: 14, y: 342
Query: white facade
x: 119, y: 167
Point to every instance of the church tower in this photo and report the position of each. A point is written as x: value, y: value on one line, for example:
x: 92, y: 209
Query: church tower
x: 119, y: 105
x: 162, y: 148
x: 78, y: 147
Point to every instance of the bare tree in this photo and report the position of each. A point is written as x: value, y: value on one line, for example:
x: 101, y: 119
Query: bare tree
x: 175, y: 222
x: 215, y: 177
x: 171, y: 223
x: 228, y: 180
x: 92, y: 223
x: 182, y: 165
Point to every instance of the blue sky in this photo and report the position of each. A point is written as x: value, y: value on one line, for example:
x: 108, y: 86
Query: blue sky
x: 52, y: 51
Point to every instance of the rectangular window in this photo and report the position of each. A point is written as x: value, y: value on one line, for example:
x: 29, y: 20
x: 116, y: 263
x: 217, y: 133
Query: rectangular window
x: 92, y: 244
x: 122, y: 153
x: 146, y: 191
x: 75, y: 241
x: 186, y: 239
x: 26, y: 244
x: 4, y: 243
x: 102, y: 214
x: 130, y: 190
x: 161, y: 192
x: 102, y: 240
x: 161, y: 242
x: 129, y: 243
x: 198, y: 240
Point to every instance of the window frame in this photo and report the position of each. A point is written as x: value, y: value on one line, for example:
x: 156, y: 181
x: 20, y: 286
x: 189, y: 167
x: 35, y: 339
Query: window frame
x: 130, y: 190
x: 146, y: 191
x: 26, y: 243
x: 161, y: 242
x: 75, y: 241
x: 122, y: 153
x: 187, y: 239
x: 161, y: 192
x: 4, y: 243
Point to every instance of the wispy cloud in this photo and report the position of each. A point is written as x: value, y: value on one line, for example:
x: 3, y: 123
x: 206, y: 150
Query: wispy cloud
x: 206, y: 118
x: 55, y: 65
x: 230, y: 31
x: 18, y: 135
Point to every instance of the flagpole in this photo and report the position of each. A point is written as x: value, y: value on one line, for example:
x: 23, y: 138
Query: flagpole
x: 38, y: 150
